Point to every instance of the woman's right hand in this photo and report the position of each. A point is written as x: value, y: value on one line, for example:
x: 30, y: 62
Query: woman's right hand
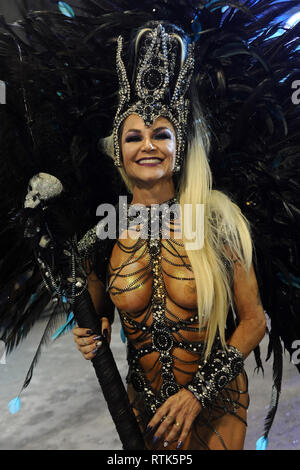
x: 89, y: 343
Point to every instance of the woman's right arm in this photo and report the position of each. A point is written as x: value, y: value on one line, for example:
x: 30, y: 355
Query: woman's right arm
x: 87, y: 342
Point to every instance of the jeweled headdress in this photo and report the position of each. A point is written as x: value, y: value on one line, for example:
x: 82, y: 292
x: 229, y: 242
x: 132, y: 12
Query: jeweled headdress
x: 163, y: 75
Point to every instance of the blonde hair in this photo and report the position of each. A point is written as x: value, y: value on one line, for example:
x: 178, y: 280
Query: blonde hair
x: 226, y: 238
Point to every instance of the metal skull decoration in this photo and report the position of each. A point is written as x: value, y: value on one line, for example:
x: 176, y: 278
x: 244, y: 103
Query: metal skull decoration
x: 41, y: 187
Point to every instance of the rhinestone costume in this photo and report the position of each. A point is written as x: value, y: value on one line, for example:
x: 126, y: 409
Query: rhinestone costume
x: 164, y: 347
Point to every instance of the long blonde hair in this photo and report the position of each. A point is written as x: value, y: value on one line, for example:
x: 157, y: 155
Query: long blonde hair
x: 227, y: 235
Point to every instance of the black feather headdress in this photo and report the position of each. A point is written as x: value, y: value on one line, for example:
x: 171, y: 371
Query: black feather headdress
x: 61, y: 97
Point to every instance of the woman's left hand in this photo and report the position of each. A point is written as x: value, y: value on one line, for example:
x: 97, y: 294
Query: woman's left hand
x: 179, y: 411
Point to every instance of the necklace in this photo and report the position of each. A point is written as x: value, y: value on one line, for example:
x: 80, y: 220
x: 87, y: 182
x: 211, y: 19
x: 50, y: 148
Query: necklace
x: 152, y: 217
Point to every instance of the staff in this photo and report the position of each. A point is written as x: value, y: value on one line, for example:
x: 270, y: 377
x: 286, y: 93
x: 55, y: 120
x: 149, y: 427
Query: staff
x: 60, y: 267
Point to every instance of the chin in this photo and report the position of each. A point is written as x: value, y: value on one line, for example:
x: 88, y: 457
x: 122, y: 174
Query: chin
x: 150, y: 175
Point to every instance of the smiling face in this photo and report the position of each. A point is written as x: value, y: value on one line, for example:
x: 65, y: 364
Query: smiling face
x: 148, y: 152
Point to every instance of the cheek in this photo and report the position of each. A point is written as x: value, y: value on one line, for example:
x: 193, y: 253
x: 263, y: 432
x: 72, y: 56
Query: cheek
x: 128, y: 151
x: 169, y: 148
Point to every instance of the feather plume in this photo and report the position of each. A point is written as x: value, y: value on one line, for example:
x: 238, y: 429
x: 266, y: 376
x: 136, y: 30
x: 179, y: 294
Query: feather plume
x: 276, y: 388
x: 51, y: 324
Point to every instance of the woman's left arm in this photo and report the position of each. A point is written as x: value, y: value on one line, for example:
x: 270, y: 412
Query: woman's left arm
x: 183, y: 407
x: 252, y: 321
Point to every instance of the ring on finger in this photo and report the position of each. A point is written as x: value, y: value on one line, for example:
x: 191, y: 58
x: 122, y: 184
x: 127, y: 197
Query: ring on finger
x: 170, y: 418
x: 162, y: 419
x: 177, y: 424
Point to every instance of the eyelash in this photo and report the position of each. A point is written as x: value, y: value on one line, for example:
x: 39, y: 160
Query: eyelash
x: 138, y: 138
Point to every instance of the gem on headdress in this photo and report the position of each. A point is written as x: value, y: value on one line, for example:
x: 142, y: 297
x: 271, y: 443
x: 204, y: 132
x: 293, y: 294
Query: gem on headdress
x: 155, y: 62
x: 152, y: 79
x: 148, y: 109
x: 149, y: 99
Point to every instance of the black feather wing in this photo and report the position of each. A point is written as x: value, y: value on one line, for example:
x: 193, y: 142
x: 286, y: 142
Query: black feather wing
x: 248, y: 78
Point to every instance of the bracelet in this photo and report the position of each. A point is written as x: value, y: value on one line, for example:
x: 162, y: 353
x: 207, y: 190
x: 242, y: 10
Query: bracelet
x: 215, y: 374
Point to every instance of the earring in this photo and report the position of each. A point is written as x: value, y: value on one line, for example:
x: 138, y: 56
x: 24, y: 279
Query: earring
x: 178, y: 161
x: 117, y: 163
x: 117, y: 159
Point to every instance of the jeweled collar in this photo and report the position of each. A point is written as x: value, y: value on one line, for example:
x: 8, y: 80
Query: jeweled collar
x: 162, y: 212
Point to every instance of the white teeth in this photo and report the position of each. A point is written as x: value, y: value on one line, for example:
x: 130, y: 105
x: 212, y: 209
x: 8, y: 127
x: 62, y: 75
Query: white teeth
x: 149, y: 160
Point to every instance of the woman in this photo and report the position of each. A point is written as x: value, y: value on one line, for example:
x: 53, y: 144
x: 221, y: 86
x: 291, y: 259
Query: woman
x: 186, y: 380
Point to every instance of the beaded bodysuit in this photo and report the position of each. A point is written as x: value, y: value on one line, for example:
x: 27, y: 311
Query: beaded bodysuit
x: 151, y: 282
x: 152, y: 285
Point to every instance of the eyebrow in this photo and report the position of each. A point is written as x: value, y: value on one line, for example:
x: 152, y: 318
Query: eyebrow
x: 157, y: 129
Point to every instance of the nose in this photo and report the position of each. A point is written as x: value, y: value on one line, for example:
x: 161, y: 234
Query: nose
x: 148, y: 145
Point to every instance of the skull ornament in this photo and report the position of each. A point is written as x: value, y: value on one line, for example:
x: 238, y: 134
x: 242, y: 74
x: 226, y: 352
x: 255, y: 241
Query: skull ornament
x: 42, y: 187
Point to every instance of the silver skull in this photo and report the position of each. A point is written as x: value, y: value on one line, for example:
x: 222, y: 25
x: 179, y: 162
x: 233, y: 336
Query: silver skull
x: 42, y: 187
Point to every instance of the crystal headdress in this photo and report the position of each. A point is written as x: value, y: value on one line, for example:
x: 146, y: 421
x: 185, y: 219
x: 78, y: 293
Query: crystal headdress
x: 159, y: 87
